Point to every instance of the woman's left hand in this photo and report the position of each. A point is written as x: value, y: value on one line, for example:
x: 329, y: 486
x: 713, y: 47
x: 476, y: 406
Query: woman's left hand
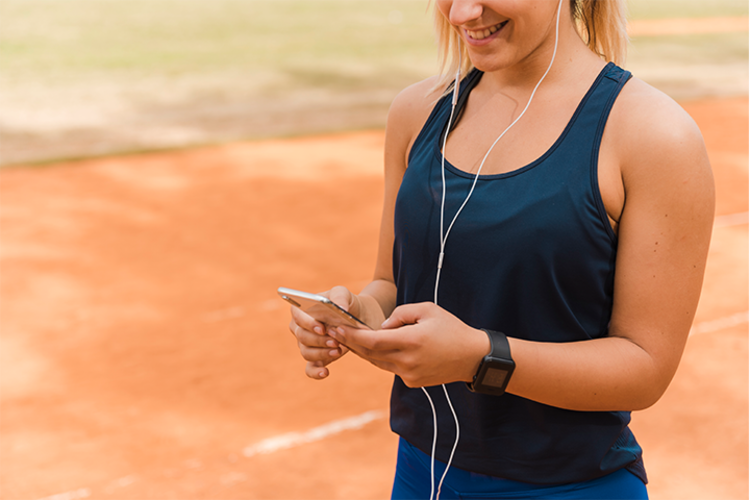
x: 422, y: 343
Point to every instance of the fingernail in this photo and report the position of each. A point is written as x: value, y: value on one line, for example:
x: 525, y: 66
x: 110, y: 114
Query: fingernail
x: 331, y: 343
x: 334, y: 353
x: 340, y: 330
x: 318, y: 330
x: 333, y: 333
x: 322, y: 374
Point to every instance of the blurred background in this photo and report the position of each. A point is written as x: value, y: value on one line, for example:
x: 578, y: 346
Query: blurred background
x: 96, y: 77
x: 167, y: 164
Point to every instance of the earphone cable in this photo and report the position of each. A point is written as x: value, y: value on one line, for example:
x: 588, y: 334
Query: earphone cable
x: 455, y: 443
x: 444, y: 238
x: 434, y: 444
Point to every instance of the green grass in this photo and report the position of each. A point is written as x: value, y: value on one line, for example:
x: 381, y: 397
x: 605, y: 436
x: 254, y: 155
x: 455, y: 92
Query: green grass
x: 660, y: 9
x: 110, y: 75
x: 314, y: 41
x: 716, y: 48
x: 339, y: 43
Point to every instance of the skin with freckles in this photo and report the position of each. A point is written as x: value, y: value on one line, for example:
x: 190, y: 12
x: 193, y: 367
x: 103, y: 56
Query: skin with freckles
x: 656, y: 184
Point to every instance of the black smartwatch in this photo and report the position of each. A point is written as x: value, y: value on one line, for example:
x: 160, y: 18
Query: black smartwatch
x: 496, y: 368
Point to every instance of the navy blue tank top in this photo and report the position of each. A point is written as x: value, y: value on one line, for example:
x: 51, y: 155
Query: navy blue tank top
x: 531, y: 255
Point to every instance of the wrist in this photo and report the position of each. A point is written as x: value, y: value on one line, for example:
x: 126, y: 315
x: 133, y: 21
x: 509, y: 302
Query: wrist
x: 479, y: 348
x: 496, y: 368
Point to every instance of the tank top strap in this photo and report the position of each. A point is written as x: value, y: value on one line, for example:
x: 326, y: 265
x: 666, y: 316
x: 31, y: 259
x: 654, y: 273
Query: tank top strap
x: 592, y: 112
x: 581, y: 142
x: 532, y: 255
x: 438, y: 119
x: 595, y: 108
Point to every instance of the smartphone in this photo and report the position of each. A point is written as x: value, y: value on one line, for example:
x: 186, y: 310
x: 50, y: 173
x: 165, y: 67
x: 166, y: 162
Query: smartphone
x: 321, y: 308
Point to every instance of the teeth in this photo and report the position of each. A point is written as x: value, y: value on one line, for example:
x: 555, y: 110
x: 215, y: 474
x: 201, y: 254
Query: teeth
x: 481, y: 35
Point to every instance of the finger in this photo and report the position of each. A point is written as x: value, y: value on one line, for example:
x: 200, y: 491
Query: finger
x: 306, y: 321
x: 408, y: 314
x: 371, y: 341
x: 321, y: 355
x: 316, y: 370
x: 341, y: 296
x: 311, y: 339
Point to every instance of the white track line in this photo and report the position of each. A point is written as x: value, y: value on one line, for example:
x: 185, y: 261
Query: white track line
x: 70, y: 495
x: 270, y: 445
x: 720, y: 324
x: 292, y: 439
x: 731, y: 219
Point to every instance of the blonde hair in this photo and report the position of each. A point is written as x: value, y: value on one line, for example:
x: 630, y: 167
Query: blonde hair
x: 602, y: 25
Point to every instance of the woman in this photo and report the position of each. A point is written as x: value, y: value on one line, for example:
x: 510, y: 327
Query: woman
x: 582, y: 237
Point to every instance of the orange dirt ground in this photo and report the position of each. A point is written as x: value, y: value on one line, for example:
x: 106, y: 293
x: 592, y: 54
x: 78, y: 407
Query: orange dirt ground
x: 143, y: 346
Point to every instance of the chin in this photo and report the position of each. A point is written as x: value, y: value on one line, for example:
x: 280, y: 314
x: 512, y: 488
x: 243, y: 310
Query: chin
x: 488, y: 65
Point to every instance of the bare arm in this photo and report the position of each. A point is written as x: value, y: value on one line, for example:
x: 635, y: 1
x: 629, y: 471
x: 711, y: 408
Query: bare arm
x: 378, y: 299
x: 664, y: 232
x: 406, y: 117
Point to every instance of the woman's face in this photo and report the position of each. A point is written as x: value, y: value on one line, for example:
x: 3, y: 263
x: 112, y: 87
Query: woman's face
x: 501, y: 33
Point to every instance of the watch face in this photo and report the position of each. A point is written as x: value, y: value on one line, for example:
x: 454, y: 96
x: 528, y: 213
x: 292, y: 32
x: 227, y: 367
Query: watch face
x: 495, y: 377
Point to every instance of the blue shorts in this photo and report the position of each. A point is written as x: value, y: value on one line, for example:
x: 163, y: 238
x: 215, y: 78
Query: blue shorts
x: 413, y: 482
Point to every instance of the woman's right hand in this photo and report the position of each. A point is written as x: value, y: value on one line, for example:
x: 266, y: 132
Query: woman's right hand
x: 315, y: 345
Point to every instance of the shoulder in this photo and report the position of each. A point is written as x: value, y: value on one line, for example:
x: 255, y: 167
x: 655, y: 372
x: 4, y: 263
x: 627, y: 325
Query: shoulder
x: 654, y: 136
x: 408, y: 114
x: 415, y: 101
x: 663, y: 162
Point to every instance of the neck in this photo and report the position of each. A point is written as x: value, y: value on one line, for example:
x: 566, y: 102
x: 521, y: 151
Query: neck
x: 571, y: 57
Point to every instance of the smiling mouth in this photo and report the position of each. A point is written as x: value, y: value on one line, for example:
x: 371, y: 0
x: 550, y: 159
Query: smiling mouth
x: 482, y: 34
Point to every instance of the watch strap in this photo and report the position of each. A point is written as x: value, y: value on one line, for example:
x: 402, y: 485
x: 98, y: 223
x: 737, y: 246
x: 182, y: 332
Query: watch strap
x: 499, y: 345
x: 499, y: 351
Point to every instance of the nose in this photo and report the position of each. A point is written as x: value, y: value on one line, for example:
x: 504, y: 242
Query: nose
x: 464, y: 11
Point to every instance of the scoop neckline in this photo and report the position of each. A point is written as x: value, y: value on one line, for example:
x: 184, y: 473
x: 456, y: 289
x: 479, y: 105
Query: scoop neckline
x: 524, y: 168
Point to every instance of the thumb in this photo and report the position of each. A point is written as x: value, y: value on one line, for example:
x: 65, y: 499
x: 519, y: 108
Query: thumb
x: 341, y: 296
x: 408, y: 314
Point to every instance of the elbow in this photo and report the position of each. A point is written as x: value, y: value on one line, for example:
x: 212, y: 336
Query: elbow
x: 647, y: 376
x: 654, y: 393
x: 648, y: 392
x: 645, y: 402
x: 636, y: 397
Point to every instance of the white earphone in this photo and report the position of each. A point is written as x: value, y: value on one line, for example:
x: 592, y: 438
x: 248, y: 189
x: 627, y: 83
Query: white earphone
x: 444, y: 239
